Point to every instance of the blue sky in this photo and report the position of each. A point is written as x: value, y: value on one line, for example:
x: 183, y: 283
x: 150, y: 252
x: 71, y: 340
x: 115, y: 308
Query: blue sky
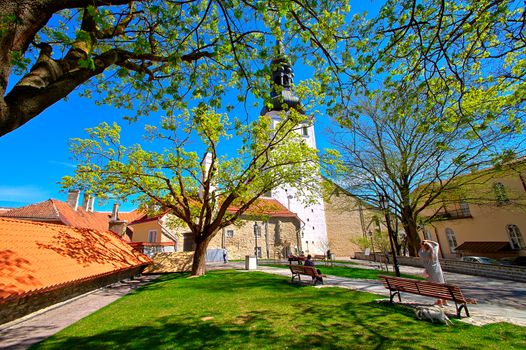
x: 35, y: 156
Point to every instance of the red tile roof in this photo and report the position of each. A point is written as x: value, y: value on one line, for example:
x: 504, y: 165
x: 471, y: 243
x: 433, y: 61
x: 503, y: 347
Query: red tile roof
x: 41, y: 256
x: 262, y: 206
x: 266, y: 206
x: 57, y: 211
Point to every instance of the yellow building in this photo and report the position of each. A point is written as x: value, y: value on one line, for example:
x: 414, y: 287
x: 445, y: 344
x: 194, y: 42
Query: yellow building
x: 486, y: 216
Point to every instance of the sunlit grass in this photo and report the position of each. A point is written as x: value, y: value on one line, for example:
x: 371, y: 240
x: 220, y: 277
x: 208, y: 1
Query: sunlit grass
x: 254, y: 310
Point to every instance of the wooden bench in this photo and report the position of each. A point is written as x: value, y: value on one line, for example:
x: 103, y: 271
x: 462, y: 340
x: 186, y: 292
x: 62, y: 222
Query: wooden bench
x: 319, y: 257
x: 298, y: 270
x: 428, y: 289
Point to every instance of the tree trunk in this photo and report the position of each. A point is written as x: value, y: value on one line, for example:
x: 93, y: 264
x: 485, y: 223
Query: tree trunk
x: 202, y: 240
x: 409, y: 223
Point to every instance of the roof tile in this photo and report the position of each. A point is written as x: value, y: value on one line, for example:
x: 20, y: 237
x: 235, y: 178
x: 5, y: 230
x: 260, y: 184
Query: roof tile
x: 36, y: 256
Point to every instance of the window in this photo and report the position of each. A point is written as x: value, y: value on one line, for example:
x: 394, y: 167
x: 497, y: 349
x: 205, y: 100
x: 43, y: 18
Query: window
x: 464, y: 209
x: 305, y: 130
x: 152, y: 236
x: 229, y: 233
x: 428, y: 235
x: 451, y: 240
x: 500, y: 193
x: 516, y: 239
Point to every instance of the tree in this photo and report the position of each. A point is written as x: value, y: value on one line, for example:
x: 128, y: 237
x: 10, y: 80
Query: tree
x: 469, y: 53
x: 197, y: 193
x: 144, y: 55
x: 390, y: 145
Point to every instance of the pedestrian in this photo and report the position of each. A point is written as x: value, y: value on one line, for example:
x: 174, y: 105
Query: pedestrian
x: 310, y: 262
x: 432, y: 269
x: 225, y: 255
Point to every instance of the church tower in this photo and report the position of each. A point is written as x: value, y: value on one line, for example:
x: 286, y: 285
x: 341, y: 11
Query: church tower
x: 314, y: 230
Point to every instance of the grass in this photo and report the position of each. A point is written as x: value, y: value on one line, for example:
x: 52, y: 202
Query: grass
x: 351, y: 272
x: 253, y: 310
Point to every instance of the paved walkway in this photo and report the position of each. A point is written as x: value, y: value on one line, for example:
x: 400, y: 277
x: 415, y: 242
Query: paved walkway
x: 499, y: 301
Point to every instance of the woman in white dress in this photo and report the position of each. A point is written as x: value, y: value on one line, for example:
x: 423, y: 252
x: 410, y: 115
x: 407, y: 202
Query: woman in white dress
x: 433, y: 271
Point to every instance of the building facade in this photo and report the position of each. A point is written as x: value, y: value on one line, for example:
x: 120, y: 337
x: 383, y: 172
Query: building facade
x: 488, y: 219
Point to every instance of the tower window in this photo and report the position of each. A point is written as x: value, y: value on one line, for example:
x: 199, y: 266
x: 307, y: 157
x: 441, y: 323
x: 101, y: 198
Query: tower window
x: 305, y: 130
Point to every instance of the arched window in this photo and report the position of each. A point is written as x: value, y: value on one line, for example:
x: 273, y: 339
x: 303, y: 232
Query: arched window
x: 451, y: 240
x: 516, y: 239
x: 500, y: 193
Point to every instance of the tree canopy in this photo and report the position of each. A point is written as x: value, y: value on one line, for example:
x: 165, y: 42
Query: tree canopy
x: 198, y: 190
x: 392, y: 149
x: 149, y: 55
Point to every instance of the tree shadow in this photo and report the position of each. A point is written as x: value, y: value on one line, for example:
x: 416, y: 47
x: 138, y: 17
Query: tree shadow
x: 15, y: 269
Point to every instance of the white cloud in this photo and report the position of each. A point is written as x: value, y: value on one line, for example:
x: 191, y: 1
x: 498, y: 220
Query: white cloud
x: 27, y: 193
x: 69, y: 165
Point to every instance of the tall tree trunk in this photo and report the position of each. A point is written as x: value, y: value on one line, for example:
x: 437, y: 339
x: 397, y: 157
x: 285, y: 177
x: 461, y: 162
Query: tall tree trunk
x: 410, y: 228
x: 202, y: 240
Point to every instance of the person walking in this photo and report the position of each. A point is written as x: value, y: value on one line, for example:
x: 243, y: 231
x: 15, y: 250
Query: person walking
x: 225, y: 255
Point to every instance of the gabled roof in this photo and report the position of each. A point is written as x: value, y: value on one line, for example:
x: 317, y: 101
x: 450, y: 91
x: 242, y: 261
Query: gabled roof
x: 485, y: 247
x: 37, y: 257
x: 262, y: 206
x: 56, y: 211
x: 267, y: 207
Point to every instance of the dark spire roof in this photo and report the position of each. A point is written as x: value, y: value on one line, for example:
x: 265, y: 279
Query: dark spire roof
x: 282, y: 75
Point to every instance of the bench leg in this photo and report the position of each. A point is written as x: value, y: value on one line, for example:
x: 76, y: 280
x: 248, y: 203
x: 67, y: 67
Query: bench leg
x: 316, y: 280
x: 459, y: 310
x: 392, y: 294
x: 295, y: 275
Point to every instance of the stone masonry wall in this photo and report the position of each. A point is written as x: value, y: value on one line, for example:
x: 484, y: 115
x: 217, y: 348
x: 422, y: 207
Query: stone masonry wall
x: 278, y: 239
x: 513, y: 273
x: 343, y: 224
x: 11, y: 309
x: 171, y: 262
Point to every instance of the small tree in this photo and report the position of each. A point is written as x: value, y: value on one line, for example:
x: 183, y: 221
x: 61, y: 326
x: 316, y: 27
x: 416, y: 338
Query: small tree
x: 197, y: 193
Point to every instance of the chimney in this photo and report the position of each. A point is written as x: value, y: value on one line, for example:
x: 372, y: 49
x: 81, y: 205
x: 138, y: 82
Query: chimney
x: 115, y: 212
x: 115, y: 225
x: 88, y: 203
x: 73, y: 199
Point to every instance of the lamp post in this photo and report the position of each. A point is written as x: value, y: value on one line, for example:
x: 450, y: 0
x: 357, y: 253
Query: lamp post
x: 384, y: 204
x: 370, y: 234
x: 257, y: 230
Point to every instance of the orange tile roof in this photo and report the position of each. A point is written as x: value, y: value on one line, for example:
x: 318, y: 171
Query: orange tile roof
x: 36, y: 257
x: 57, y: 211
x: 262, y: 206
x: 266, y: 206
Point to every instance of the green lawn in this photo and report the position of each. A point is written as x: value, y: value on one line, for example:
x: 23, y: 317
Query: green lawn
x: 253, y: 310
x: 351, y: 272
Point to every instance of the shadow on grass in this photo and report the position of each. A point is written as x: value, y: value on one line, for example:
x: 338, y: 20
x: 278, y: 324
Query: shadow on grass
x: 232, y: 310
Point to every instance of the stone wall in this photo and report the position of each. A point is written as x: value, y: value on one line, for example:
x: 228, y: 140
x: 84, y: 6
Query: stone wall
x: 513, y: 273
x: 171, y: 262
x: 16, y: 307
x: 345, y: 219
x: 279, y: 237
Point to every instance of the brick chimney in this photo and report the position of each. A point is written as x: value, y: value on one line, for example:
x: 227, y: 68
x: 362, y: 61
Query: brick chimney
x: 88, y: 203
x: 115, y: 225
x: 73, y: 199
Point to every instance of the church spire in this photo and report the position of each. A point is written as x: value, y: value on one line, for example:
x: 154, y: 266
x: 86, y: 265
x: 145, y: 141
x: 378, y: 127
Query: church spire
x: 282, y: 83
